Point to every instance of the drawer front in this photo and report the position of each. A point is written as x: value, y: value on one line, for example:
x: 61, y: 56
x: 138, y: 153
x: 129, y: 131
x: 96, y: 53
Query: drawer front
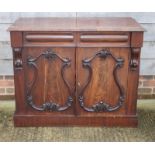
x: 80, y: 39
x: 49, y: 39
x: 104, y: 39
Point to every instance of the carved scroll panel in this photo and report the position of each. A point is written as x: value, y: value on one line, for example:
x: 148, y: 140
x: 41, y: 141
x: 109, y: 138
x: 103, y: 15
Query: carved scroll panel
x: 49, y: 55
x: 102, y: 106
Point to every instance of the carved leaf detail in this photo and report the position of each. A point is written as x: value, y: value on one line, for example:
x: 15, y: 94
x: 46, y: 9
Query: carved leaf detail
x: 100, y: 106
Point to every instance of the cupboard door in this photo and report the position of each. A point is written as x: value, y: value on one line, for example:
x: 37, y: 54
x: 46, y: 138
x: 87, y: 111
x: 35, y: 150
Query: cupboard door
x: 49, y: 79
x: 102, y: 80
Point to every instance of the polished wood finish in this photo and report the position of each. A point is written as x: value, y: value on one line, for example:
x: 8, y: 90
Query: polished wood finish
x: 47, y: 120
x: 103, y: 39
x: 45, y: 37
x: 102, y: 85
x: 76, y: 71
x: 49, y: 39
x: 77, y: 24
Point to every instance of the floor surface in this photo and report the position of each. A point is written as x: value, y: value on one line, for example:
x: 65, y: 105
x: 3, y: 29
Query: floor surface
x: 144, y: 132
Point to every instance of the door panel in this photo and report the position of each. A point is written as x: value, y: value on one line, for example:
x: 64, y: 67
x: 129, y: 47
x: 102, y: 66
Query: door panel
x: 101, y: 80
x: 50, y: 79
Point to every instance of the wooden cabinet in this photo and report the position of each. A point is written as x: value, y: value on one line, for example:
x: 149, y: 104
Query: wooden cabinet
x: 76, y: 71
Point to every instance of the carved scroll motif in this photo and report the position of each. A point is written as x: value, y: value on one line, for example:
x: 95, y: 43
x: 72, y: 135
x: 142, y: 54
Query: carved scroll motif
x: 134, y: 61
x: 18, y: 63
x: 102, y: 106
x: 48, y: 106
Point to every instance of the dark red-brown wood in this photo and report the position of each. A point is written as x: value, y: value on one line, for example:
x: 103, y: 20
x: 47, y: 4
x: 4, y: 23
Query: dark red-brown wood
x: 59, y: 60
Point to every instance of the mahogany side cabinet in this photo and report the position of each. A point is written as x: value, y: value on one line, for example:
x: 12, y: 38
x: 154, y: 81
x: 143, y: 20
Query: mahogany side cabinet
x: 76, y: 71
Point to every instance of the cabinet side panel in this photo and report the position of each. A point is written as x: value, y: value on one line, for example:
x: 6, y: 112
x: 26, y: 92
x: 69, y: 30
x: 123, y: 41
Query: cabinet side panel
x: 16, y: 43
x: 19, y: 90
x: 133, y: 79
x: 133, y: 76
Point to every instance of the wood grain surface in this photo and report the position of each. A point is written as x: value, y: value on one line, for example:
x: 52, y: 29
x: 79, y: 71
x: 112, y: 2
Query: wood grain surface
x: 50, y: 45
x: 76, y: 24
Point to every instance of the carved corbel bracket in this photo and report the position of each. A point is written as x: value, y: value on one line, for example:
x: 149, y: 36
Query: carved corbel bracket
x: 18, y: 58
x: 18, y: 63
x: 134, y: 61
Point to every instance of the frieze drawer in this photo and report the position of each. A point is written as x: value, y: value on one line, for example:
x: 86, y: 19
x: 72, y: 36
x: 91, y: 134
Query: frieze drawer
x: 48, y: 38
x: 104, y: 39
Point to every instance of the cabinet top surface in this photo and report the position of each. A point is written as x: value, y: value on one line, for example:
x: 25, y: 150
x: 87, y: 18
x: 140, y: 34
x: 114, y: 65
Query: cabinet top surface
x: 76, y: 24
